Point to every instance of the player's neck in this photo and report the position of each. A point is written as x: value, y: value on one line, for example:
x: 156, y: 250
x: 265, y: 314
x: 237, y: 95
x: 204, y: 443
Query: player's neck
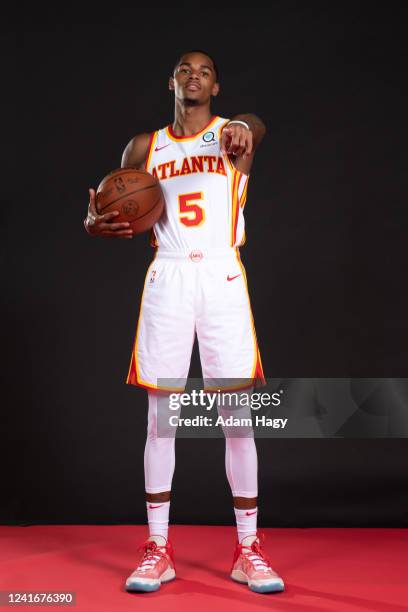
x: 191, y: 119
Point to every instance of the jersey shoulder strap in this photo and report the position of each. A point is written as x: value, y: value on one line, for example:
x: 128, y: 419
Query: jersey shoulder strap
x: 151, y: 147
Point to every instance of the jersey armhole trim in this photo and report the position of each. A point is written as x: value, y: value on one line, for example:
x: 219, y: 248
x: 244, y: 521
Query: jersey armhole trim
x: 152, y: 141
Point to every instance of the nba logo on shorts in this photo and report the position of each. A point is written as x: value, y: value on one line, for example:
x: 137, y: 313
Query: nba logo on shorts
x: 196, y: 255
x: 152, y: 276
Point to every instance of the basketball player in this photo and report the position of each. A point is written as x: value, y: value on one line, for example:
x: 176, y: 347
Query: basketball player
x: 196, y: 283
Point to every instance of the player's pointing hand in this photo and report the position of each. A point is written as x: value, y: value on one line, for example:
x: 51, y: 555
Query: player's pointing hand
x: 237, y: 140
x: 104, y: 225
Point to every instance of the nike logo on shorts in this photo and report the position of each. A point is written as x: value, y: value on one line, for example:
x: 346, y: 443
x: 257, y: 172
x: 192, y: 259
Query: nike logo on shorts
x: 230, y: 278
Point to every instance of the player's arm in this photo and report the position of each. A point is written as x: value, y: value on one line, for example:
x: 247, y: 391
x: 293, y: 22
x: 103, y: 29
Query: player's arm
x: 135, y: 153
x: 133, y: 156
x: 240, y: 143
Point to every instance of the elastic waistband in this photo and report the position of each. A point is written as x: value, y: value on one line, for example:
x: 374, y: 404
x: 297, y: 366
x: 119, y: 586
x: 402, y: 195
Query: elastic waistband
x: 197, y: 255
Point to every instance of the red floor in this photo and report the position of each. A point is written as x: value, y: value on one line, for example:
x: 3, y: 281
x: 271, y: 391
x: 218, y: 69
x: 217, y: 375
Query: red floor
x: 324, y: 569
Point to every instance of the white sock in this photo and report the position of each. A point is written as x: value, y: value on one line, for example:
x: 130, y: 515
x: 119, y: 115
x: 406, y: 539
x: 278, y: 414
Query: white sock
x: 160, y: 540
x: 246, y: 522
x: 158, y: 518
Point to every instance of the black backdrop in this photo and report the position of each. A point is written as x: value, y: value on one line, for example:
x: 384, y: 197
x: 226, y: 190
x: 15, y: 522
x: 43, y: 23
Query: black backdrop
x: 325, y: 254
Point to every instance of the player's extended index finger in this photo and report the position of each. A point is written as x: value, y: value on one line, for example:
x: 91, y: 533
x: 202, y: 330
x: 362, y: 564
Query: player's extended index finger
x: 225, y: 134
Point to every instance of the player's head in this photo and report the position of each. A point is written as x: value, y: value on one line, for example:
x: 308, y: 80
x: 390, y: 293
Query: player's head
x: 212, y: 63
x: 199, y: 68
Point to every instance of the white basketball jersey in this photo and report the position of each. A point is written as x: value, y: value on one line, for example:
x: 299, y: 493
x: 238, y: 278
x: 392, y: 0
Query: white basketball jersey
x: 205, y: 194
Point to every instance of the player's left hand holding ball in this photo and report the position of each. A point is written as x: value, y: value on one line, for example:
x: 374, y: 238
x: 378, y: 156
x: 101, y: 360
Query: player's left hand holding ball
x: 237, y: 140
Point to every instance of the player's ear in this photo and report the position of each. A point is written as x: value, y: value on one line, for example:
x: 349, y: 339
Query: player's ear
x: 171, y: 83
x: 215, y: 89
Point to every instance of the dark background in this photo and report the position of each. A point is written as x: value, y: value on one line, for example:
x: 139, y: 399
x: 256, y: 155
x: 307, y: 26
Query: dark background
x: 326, y: 220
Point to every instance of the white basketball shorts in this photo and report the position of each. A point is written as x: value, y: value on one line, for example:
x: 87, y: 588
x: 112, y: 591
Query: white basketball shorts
x: 195, y: 292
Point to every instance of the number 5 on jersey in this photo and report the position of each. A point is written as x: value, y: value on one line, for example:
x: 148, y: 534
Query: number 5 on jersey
x: 191, y: 214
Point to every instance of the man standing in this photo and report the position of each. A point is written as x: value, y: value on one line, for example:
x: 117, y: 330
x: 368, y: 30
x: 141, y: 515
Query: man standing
x: 195, y: 284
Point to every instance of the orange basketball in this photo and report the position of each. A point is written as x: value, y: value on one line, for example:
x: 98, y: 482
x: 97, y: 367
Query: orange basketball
x: 136, y: 194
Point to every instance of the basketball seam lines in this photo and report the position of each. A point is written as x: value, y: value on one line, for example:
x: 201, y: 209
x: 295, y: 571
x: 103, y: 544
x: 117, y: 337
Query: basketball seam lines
x: 150, y: 210
x: 126, y: 195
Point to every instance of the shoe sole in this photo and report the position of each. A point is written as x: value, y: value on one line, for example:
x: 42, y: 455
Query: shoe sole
x: 149, y: 587
x: 260, y: 587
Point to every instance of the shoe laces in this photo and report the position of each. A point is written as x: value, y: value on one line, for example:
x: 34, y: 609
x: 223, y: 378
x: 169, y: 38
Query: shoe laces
x: 256, y: 556
x: 152, y: 554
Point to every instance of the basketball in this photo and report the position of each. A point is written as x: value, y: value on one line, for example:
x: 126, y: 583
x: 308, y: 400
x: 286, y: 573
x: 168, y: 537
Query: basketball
x: 136, y: 194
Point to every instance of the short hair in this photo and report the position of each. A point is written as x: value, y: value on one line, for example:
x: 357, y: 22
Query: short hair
x: 204, y: 53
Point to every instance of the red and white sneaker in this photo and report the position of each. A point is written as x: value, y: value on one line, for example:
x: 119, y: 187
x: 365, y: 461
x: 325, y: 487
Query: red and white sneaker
x: 156, y: 565
x: 251, y: 566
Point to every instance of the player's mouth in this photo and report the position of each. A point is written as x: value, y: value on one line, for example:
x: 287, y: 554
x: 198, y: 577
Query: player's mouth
x: 193, y: 86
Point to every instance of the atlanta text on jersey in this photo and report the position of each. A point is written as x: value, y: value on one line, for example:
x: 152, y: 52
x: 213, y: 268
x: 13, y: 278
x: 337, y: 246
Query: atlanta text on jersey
x: 190, y: 165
